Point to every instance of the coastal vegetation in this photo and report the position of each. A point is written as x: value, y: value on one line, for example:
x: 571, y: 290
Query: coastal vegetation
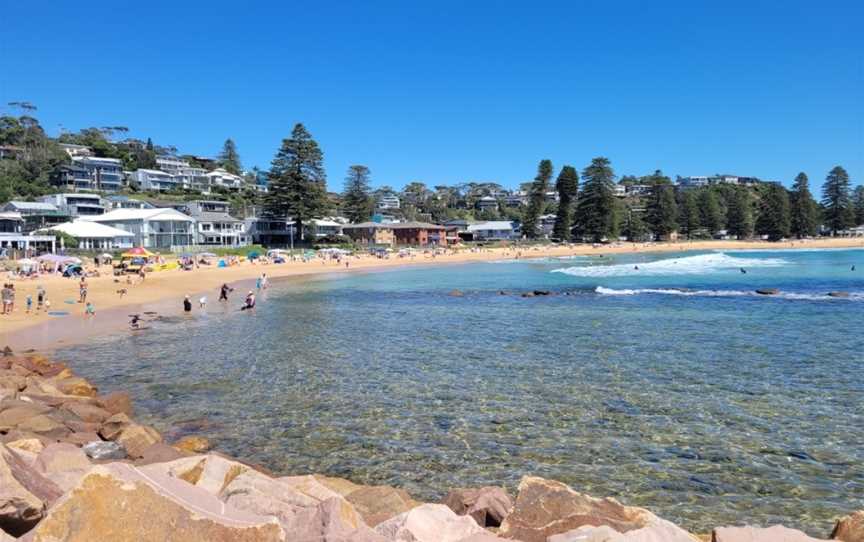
x: 604, y: 207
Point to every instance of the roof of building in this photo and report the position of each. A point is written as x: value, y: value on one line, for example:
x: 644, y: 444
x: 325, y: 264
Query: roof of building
x: 119, y: 215
x: 416, y: 226
x: 212, y: 216
x: 33, y: 205
x: 324, y: 222
x: 10, y: 215
x: 367, y: 225
x: 89, y: 230
x: 492, y: 225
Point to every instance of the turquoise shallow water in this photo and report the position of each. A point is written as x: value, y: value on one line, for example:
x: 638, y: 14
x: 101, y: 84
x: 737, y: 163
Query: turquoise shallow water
x: 672, y: 386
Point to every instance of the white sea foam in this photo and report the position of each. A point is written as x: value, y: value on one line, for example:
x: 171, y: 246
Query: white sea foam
x: 688, y: 265
x: 853, y: 296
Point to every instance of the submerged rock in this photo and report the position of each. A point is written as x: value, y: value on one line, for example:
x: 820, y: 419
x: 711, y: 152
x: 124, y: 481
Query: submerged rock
x: 850, y: 528
x: 776, y: 533
x: 487, y: 505
x: 767, y: 291
x: 195, y: 445
x: 545, y: 508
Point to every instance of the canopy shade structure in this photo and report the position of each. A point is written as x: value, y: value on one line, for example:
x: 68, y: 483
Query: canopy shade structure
x: 57, y: 258
x: 89, y: 230
x: 137, y: 251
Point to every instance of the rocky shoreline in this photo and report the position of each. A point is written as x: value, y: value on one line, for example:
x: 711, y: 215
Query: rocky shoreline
x: 75, y: 465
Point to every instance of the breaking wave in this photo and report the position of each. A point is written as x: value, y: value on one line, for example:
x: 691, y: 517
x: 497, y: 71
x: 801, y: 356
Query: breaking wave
x: 688, y: 265
x: 853, y: 296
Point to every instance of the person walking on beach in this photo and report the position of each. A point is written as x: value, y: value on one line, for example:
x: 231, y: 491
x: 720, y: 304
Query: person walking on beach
x: 264, y: 281
x: 40, y: 298
x: 5, y: 296
x: 29, y: 301
x: 187, y: 304
x: 82, y: 291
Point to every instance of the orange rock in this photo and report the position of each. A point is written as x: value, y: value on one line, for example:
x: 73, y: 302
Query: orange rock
x: 195, y: 445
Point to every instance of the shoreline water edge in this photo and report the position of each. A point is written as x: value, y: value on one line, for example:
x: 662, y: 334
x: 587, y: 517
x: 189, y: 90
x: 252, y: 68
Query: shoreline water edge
x: 75, y: 465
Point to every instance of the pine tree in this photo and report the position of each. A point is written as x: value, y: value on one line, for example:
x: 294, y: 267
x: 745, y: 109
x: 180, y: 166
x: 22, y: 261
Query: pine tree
x: 739, y: 216
x: 663, y: 211
x: 229, y: 159
x: 837, y: 201
x: 297, y: 187
x: 634, y: 226
x: 537, y: 199
x: 710, y: 211
x: 357, y: 203
x: 596, y: 210
x: 804, y: 211
x: 567, y: 186
x: 690, y: 219
x: 774, y: 214
x: 858, y: 197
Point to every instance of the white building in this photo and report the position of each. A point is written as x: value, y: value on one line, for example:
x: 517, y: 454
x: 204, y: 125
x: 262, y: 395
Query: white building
x: 323, y: 227
x: 492, y: 231
x: 94, y: 236
x: 75, y: 151
x: 76, y: 204
x: 487, y: 203
x: 152, y: 228
x: 215, y: 226
x: 390, y: 201
x: 154, y: 179
x: 185, y: 174
x: 620, y: 190
x: 220, y: 177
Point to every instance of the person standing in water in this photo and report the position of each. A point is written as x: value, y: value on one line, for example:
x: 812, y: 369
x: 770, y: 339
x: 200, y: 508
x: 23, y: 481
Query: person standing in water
x: 249, y: 303
x: 187, y: 304
x: 223, y: 292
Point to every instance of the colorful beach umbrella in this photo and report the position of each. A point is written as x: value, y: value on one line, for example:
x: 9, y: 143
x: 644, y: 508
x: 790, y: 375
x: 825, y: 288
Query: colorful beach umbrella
x: 137, y: 251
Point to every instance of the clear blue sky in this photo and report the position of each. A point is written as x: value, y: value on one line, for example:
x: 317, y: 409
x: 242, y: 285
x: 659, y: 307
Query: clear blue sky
x: 452, y: 91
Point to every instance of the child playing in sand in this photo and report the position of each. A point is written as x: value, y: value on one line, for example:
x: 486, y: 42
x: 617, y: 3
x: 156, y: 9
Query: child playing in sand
x: 29, y: 302
x: 90, y: 310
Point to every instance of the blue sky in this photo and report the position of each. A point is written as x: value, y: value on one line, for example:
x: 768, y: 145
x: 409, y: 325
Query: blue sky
x: 452, y: 91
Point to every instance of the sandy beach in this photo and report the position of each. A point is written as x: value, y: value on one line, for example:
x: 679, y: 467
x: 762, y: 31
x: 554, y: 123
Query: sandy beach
x: 163, y: 292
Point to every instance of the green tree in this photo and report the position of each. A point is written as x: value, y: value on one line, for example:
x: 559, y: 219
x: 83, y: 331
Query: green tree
x: 634, y: 226
x: 774, y: 213
x: 858, y: 197
x: 804, y: 210
x: 596, y: 210
x: 710, y: 211
x: 739, y: 215
x: 663, y: 211
x: 229, y: 158
x: 537, y: 199
x: 837, y: 201
x: 357, y: 202
x: 567, y: 186
x: 690, y: 218
x: 297, y: 187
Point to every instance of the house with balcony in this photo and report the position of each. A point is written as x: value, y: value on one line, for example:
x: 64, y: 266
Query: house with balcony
x: 214, y: 225
x: 159, y: 229
x: 388, y: 201
x: 14, y: 242
x: 76, y: 151
x: 320, y: 227
x: 497, y: 230
x: 220, y: 177
x: 370, y: 233
x: 185, y: 175
x: 271, y: 232
x: 36, y: 214
x: 487, y: 203
x: 155, y: 180
x: 106, y: 174
x: 419, y: 234
x: 76, y: 204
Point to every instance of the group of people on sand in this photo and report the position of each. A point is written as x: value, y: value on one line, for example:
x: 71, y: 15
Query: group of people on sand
x: 7, y: 295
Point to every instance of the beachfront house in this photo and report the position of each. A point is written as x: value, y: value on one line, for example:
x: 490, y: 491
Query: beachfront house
x: 214, y: 225
x: 94, y: 236
x: 13, y: 241
x: 419, y: 234
x: 370, y: 233
x: 322, y: 227
x: 220, y: 177
x: 546, y: 224
x: 155, y: 180
x: 152, y: 228
x: 271, y: 232
x: 497, y: 230
x: 36, y: 214
x: 76, y: 204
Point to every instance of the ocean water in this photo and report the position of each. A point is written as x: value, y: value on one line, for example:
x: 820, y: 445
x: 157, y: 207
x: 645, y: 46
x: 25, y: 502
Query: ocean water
x: 673, y: 386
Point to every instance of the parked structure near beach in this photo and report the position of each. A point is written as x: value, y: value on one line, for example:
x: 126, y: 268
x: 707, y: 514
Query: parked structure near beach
x: 152, y: 228
x: 492, y: 231
x: 94, y: 236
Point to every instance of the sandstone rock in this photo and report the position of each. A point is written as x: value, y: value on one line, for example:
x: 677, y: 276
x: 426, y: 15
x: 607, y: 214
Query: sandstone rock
x: 339, y: 522
x: 212, y: 472
x: 136, y: 438
x: 776, y: 533
x: 339, y: 485
x: 159, y: 453
x: 482, y: 537
x: 103, y: 451
x: 256, y: 493
x: 545, y: 508
x: 61, y: 457
x: 40, y: 365
x: 487, y: 505
x: 195, y: 445
x: 660, y: 531
x: 22, y: 411
x: 80, y: 439
x: 24, y: 494
x: 310, y: 485
x: 850, y: 528
x: 44, y: 425
x: 117, y: 402
x: 32, y: 445
x: 88, y: 413
x: 112, y: 427
x: 380, y: 503
x: 429, y: 523
x: 75, y: 385
x: 116, y: 502
x: 10, y: 381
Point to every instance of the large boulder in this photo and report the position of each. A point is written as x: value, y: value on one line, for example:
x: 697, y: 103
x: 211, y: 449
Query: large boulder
x: 117, y: 402
x: 660, y: 531
x: 114, y: 425
x: 18, y: 412
x: 776, y: 533
x: 380, y: 503
x: 487, y: 505
x: 545, y: 508
x: 137, y: 438
x: 75, y: 385
x: 193, y: 444
x: 119, y: 503
x: 159, y: 453
x: 24, y: 494
x: 87, y: 412
x: 429, y: 523
x: 850, y: 528
x: 62, y: 463
x: 312, y: 486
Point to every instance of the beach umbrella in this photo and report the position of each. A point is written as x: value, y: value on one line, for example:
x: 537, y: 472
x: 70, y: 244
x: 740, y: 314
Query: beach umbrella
x: 252, y: 255
x: 56, y: 258
x: 106, y: 255
x: 207, y: 255
x: 138, y: 251
x: 25, y: 262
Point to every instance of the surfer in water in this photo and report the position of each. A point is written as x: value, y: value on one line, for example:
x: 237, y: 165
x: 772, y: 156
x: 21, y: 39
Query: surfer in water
x: 636, y: 267
x: 743, y: 271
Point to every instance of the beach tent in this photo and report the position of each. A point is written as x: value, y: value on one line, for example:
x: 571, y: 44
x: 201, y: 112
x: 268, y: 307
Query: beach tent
x: 58, y: 259
x: 137, y: 251
x: 207, y: 255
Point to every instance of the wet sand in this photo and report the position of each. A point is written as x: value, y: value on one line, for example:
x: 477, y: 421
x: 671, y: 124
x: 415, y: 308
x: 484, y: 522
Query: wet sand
x: 163, y: 292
